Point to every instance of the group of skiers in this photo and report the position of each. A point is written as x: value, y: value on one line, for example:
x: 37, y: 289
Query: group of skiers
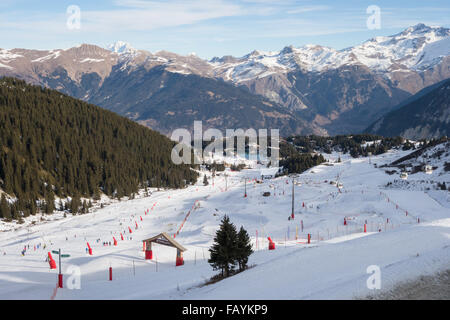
x: 27, y: 247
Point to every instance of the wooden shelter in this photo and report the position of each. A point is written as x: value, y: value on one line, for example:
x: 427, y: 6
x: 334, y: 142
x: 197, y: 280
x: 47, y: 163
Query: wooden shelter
x: 165, y: 240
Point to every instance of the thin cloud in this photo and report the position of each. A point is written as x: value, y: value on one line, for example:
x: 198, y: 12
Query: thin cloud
x: 127, y: 15
x: 139, y: 15
x: 204, y: 25
x: 305, y: 9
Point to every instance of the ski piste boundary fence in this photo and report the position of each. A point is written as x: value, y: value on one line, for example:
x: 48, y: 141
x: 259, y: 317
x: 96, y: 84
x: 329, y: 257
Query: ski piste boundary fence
x: 260, y: 242
x: 124, y: 266
x: 298, y: 233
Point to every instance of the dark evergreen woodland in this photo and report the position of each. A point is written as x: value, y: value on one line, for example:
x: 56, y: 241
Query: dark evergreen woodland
x: 345, y: 143
x: 54, y: 145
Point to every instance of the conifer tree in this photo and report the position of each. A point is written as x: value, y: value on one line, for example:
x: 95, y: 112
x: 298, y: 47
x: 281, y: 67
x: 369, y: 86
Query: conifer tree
x: 75, y: 204
x: 5, y: 211
x: 223, y: 251
x: 33, y: 207
x: 14, y: 212
x: 49, y: 203
x: 244, y: 248
x: 85, y: 207
x: 97, y: 195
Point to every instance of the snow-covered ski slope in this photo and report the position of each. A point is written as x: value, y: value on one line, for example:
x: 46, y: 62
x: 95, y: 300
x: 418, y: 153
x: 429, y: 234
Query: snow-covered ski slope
x: 414, y: 239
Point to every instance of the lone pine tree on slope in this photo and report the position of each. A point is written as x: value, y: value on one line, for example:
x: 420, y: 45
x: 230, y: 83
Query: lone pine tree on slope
x: 223, y: 251
x: 244, y: 248
x: 230, y: 248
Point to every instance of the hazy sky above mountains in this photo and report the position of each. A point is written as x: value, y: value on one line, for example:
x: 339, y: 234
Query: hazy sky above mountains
x: 207, y: 27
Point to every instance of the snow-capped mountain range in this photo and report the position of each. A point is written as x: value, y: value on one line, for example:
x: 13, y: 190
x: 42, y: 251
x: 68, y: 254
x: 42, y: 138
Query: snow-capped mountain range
x: 417, y: 48
x: 336, y: 90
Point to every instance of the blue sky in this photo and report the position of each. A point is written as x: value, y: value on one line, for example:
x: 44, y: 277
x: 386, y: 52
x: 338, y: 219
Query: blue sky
x: 208, y: 27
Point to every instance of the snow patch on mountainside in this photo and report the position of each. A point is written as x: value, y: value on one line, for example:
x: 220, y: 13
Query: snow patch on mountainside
x: 7, y: 55
x: 5, y: 66
x: 433, y: 53
x: 53, y: 55
x: 91, y: 60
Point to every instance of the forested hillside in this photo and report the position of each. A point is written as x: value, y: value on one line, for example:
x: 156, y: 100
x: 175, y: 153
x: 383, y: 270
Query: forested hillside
x: 425, y: 115
x: 54, y: 145
x: 357, y: 145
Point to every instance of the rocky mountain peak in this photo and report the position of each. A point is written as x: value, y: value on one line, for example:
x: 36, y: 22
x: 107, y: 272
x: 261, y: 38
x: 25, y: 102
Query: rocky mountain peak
x: 418, y: 28
x: 287, y: 50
